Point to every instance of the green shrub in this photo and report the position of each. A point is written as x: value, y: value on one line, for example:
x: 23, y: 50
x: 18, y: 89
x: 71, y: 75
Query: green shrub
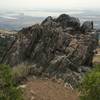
x: 8, y: 90
x: 90, y: 87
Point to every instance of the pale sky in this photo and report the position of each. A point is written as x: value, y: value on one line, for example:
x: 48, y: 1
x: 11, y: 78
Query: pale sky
x: 50, y: 4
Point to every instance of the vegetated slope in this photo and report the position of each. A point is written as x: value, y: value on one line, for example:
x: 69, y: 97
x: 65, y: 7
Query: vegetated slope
x: 48, y: 90
x: 57, y: 47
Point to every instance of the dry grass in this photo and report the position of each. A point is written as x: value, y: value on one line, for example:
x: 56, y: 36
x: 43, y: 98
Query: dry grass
x: 20, y: 72
x: 42, y: 89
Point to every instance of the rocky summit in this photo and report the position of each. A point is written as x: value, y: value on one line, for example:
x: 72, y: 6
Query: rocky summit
x: 58, y: 47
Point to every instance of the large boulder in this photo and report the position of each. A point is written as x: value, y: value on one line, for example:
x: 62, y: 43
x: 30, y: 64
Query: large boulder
x: 87, y: 26
x: 49, y: 21
x: 67, y: 21
x: 63, y: 21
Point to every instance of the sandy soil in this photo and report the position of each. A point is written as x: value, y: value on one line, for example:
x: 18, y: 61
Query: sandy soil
x: 48, y: 90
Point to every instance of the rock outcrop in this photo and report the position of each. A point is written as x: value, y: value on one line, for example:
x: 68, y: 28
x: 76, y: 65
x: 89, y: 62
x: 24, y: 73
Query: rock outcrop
x: 87, y: 26
x: 58, y: 47
x: 7, y: 39
x: 64, y: 21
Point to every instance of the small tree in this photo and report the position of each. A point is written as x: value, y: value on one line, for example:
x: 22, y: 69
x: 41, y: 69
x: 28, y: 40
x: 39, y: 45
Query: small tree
x: 8, y: 90
x: 90, y: 87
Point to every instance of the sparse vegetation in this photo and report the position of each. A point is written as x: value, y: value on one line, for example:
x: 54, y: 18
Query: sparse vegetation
x: 20, y: 72
x: 8, y: 90
x: 90, y: 87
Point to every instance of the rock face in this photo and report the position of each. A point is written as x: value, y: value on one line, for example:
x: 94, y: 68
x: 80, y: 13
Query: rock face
x: 87, y: 26
x: 57, y: 47
x: 7, y: 39
x: 63, y: 21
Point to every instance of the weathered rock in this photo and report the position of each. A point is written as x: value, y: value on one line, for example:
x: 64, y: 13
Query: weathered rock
x: 6, y: 42
x: 63, y: 21
x: 67, y: 21
x: 52, y: 51
x: 87, y: 26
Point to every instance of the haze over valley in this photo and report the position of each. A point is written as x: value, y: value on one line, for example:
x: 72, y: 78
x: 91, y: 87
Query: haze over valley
x: 17, y: 19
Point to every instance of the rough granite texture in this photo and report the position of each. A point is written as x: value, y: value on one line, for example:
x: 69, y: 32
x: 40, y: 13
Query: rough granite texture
x: 57, y: 47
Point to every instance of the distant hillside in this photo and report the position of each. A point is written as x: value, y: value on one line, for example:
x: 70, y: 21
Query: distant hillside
x: 19, y: 22
x: 7, y: 32
x: 16, y: 20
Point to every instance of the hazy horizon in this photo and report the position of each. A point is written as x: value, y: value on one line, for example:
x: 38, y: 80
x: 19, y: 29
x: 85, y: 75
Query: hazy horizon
x: 50, y: 4
x: 15, y: 14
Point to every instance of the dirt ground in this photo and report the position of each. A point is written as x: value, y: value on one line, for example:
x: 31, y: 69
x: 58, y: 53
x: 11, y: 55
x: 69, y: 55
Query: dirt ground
x: 48, y: 90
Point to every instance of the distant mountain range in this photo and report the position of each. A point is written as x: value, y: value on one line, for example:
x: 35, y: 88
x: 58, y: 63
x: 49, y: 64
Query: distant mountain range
x: 16, y: 20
